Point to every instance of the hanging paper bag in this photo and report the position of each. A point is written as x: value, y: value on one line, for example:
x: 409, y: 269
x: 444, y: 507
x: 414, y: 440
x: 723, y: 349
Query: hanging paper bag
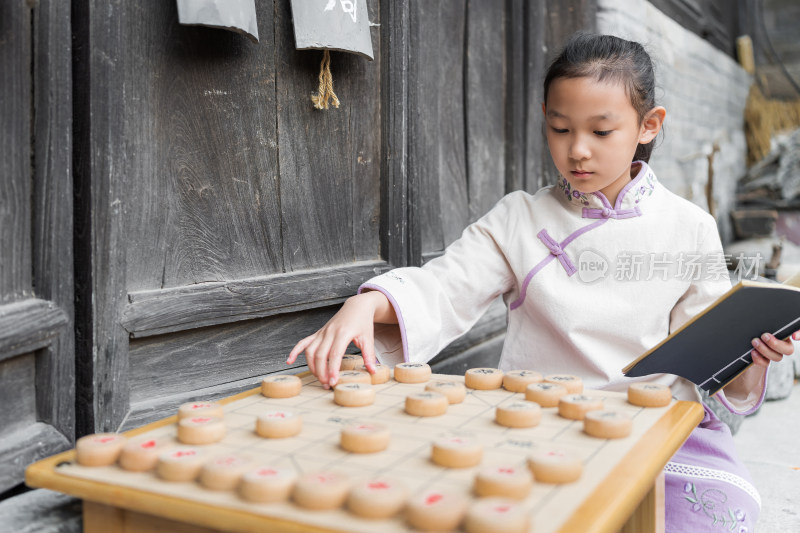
x: 332, y: 25
x: 234, y: 15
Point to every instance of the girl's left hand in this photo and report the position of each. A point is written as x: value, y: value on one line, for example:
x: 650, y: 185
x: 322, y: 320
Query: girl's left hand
x: 768, y: 348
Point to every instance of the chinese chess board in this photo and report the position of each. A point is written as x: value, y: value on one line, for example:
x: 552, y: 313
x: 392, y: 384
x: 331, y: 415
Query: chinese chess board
x: 407, y: 459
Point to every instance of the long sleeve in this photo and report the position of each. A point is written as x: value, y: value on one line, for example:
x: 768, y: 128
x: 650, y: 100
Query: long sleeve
x: 442, y: 300
x: 709, y: 280
x: 746, y: 393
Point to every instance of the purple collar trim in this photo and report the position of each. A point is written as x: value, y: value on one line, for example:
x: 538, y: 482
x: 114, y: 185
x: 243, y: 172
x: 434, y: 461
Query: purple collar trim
x: 605, y: 212
x: 628, y: 200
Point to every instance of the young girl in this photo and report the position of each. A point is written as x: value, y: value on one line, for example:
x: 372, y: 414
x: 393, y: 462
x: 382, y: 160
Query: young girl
x: 594, y: 272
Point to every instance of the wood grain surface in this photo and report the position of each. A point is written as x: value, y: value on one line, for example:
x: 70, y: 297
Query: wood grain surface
x: 36, y: 298
x: 169, y: 310
x: 52, y: 226
x: 29, y: 325
x: 15, y: 152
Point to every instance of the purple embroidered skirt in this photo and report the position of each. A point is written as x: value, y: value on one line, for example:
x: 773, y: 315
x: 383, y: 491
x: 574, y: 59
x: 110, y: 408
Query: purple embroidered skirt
x: 707, y: 487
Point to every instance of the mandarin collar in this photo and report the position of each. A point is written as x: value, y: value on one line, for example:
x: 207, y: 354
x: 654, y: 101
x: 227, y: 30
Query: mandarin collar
x: 629, y: 201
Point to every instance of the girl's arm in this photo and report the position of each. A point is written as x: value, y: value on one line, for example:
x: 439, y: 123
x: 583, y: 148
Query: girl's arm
x: 440, y: 301
x: 354, y: 322
x: 420, y: 310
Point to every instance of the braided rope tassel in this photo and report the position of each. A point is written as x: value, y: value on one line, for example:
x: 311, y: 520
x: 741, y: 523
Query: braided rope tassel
x: 325, y: 91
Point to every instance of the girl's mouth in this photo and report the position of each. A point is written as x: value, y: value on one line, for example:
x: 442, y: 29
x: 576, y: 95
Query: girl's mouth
x: 581, y: 173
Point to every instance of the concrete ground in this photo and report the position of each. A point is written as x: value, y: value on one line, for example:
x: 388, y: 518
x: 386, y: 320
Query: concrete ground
x: 769, y: 444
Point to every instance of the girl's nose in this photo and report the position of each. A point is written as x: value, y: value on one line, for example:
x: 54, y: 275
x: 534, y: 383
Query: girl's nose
x: 579, y: 150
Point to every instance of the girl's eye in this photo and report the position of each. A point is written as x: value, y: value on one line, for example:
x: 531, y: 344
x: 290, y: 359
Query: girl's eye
x: 603, y: 133
x: 559, y: 130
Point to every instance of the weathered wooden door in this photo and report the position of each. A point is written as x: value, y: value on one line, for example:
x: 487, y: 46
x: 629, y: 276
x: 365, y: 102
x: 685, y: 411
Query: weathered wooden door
x: 224, y: 215
x: 222, y: 218
x: 36, y: 340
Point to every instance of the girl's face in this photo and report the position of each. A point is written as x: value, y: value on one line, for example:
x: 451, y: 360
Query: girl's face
x: 593, y: 131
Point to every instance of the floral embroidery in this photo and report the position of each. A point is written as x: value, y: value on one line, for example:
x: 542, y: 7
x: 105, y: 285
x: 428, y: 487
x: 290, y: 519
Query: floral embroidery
x: 573, y: 195
x: 711, y: 503
x: 395, y: 277
x: 645, y: 187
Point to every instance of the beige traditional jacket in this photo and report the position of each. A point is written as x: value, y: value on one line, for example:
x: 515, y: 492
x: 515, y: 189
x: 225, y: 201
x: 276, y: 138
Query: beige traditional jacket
x: 589, y: 286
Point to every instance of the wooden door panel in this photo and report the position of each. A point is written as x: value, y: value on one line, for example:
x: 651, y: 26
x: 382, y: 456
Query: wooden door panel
x: 476, y: 70
x: 487, y: 88
x: 225, y: 209
x: 459, y: 137
x: 29, y: 325
x: 460, y: 91
x: 329, y: 159
x: 209, y: 363
x: 232, y: 173
x: 17, y: 394
x: 36, y: 361
x: 169, y: 310
x: 229, y: 217
x: 15, y: 182
x: 437, y: 151
x: 198, y: 130
x: 28, y: 444
x: 23, y: 437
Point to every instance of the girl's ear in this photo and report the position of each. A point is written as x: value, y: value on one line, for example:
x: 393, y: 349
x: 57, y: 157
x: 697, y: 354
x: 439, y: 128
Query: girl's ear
x: 544, y: 112
x: 651, y: 124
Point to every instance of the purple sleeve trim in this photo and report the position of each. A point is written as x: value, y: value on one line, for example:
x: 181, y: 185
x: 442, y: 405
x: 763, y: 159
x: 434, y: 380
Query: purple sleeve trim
x: 397, y: 312
x: 724, y: 401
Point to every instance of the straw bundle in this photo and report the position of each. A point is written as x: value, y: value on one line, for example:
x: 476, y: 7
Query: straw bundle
x: 764, y: 117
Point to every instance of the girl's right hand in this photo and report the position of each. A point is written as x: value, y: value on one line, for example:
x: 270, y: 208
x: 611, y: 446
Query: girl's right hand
x: 354, y: 322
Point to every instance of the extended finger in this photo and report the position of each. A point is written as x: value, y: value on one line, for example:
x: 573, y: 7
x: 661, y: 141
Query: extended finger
x: 758, y: 359
x: 766, y: 351
x: 335, y: 358
x: 367, y: 346
x: 321, y: 360
x: 298, y: 349
x: 777, y: 345
x: 311, y: 354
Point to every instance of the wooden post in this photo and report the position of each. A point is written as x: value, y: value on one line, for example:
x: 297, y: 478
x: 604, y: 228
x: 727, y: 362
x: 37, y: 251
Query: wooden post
x: 649, y: 516
x: 744, y: 50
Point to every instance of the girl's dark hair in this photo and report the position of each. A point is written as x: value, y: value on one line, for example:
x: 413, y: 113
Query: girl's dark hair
x: 609, y: 58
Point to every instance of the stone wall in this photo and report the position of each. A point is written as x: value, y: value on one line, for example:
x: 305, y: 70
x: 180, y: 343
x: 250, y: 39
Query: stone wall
x: 704, y: 92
